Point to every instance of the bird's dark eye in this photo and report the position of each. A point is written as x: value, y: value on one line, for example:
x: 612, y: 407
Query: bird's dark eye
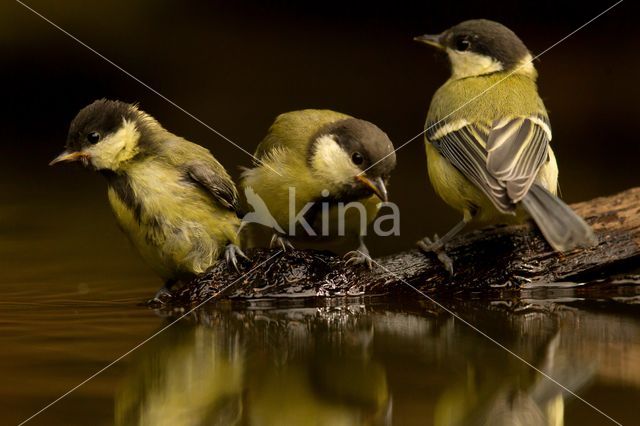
x: 462, y: 43
x: 93, y: 137
x: 357, y: 158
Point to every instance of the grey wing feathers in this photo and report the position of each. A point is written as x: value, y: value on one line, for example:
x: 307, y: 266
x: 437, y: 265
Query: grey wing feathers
x: 465, y: 150
x: 516, y: 148
x: 503, y: 160
x: 220, y: 186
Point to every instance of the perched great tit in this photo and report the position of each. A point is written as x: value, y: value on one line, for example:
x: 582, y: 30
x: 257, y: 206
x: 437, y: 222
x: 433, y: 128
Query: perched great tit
x: 172, y: 198
x: 487, y: 139
x: 313, y: 164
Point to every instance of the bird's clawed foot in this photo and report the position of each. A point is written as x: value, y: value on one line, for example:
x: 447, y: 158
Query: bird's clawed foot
x: 231, y: 254
x: 279, y: 241
x: 359, y: 257
x: 163, y: 295
x: 437, y: 247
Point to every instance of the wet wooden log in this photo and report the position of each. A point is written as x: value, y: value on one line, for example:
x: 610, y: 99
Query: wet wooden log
x: 505, y: 257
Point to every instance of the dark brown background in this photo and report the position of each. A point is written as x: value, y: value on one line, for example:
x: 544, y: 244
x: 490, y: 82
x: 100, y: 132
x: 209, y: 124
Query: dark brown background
x: 236, y: 65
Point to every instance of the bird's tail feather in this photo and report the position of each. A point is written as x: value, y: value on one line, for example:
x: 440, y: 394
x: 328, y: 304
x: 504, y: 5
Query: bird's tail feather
x: 563, y: 229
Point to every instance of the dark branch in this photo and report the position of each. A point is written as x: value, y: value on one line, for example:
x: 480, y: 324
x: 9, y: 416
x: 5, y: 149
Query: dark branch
x: 497, y: 257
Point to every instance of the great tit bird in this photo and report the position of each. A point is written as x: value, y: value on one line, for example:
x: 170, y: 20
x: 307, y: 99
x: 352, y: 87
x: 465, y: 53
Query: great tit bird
x: 487, y: 139
x: 171, y: 197
x: 321, y: 160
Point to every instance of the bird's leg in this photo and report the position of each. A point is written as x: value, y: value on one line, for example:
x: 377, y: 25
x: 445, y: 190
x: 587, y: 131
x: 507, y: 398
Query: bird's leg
x: 231, y: 253
x: 360, y: 255
x: 164, y: 292
x: 437, y: 244
x: 279, y: 240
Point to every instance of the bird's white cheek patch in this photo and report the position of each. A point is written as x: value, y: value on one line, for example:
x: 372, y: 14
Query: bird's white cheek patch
x: 331, y: 162
x: 525, y: 66
x: 467, y: 64
x: 115, y: 149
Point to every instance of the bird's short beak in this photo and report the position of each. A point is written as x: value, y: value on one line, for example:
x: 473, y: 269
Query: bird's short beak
x: 377, y: 186
x: 431, y: 40
x: 67, y: 156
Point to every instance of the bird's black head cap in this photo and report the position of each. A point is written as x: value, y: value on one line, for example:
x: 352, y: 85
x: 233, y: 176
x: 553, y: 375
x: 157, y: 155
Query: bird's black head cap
x: 487, y: 38
x: 368, y: 146
x: 97, y: 120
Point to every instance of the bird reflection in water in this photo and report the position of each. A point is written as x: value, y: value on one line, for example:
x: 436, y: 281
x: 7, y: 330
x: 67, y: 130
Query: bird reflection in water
x: 258, y: 367
x: 368, y: 365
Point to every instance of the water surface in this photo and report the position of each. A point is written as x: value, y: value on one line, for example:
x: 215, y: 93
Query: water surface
x: 368, y: 362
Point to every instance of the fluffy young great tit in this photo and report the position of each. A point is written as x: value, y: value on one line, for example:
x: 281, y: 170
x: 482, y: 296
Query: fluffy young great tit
x: 172, y: 198
x: 328, y: 160
x: 487, y: 139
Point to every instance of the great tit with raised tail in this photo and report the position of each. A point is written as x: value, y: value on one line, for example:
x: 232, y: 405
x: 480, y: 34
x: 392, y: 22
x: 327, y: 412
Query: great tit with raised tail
x: 171, y: 197
x: 487, y: 139
x: 313, y: 164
